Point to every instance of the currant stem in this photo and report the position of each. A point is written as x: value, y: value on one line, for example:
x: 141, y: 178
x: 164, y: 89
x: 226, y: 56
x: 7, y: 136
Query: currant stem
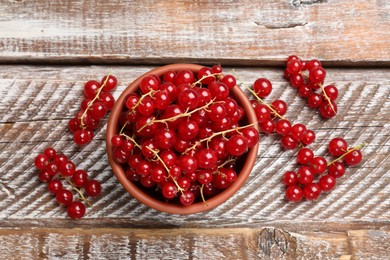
x: 131, y: 139
x: 78, y: 191
x: 166, y: 168
x: 150, y: 93
x: 327, y: 98
x: 170, y: 119
x: 257, y: 97
x: 360, y: 146
x: 202, y: 195
x: 226, y: 162
x: 199, y: 81
x: 216, y: 134
x: 90, y: 103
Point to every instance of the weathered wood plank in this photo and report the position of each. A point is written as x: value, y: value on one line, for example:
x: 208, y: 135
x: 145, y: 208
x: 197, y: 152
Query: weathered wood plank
x: 37, y: 102
x: 232, y: 32
x: 230, y: 243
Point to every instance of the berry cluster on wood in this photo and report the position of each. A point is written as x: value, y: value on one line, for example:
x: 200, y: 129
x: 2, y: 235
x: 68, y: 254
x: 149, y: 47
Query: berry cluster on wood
x: 307, y: 77
x: 182, y: 135
x: 62, y: 177
x: 97, y: 102
x: 302, y: 183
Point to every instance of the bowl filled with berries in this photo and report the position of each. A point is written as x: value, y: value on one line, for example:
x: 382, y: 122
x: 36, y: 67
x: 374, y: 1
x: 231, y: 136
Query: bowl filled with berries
x: 182, y: 138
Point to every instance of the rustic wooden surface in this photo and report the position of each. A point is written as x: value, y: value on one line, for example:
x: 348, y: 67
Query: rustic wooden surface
x: 49, y: 49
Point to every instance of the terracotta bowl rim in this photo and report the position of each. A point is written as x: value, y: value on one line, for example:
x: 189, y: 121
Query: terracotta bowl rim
x: 154, y: 203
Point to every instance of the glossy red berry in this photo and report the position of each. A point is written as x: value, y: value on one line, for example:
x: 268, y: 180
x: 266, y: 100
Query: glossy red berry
x: 93, y: 188
x: 262, y: 87
x: 305, y: 175
x: 283, y: 127
x: 290, y: 178
x: 187, y: 198
x: 237, y: 145
x: 54, y: 186
x: 41, y: 161
x: 318, y: 164
x: 304, y: 156
x: 353, y: 158
x: 279, y: 106
x: 314, y: 100
x: 64, y: 197
x: 80, y: 178
x: 169, y: 190
x: 337, y: 146
x: 288, y: 142
x: 312, y: 191
x: 309, y: 137
x: 317, y: 75
x: 294, y: 193
x: 327, y: 182
x: 336, y: 169
x: 76, y: 210
x: 331, y: 92
x: 328, y: 110
x: 206, y: 158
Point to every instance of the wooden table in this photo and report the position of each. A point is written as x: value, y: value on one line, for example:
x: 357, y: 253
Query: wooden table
x: 48, y: 49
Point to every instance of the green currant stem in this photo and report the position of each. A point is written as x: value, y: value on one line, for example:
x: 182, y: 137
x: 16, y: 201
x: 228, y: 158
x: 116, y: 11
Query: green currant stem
x: 202, y: 195
x: 166, y: 168
x: 150, y: 93
x: 216, y: 134
x: 323, y: 92
x: 90, y: 103
x: 327, y: 98
x: 170, y: 119
x: 257, y: 97
x: 199, y: 81
x: 360, y: 146
x: 226, y: 162
x: 131, y: 139
x: 78, y: 191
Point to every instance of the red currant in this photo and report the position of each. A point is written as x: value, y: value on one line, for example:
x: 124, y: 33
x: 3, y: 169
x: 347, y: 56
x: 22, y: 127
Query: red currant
x: 76, y: 210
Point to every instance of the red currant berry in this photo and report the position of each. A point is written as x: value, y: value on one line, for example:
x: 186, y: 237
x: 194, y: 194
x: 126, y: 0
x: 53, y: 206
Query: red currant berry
x: 294, y: 66
x: 206, y: 158
x: 184, y: 77
x: 165, y: 138
x: 229, y: 81
x: 50, y: 152
x: 216, y: 69
x: 82, y: 137
x: 318, y: 164
x: 336, y: 169
x: 169, y: 76
x: 147, y: 181
x: 304, y: 91
x: 292, y: 57
x: 309, y: 137
x: 169, y: 190
x: 283, y: 127
x: 294, y: 193
x: 327, y: 182
x: 305, y: 175
x: 44, y: 176
x: 263, y: 113
x: 67, y: 168
x: 98, y: 110
x: 205, y: 73
x: 157, y: 173
x: 107, y: 100
x: 205, y: 176
x: 161, y: 100
x: 317, y: 75
x: 146, y: 106
x: 337, y: 146
x: 80, y: 178
x: 188, y: 129
x: 93, y: 188
x: 267, y: 126
x: 328, y: 110
x: 312, y: 191
x: 54, y: 186
x: 353, y: 158
x: 188, y: 163
x: 288, y: 142
x: 237, y: 145
x: 188, y: 99
x: 41, y: 161
x: 218, y: 90
x: 304, y: 156
x: 116, y: 140
x: 296, y: 80
x: 290, y: 178
x: 262, y: 87
x: 64, y: 197
x: 187, y: 198
x: 314, y: 100
x: 143, y: 168
x: 331, y: 92
x: 91, y: 88
x: 313, y: 64
x: 149, y: 83
x: 251, y: 135
x: 73, y: 125
x: 109, y: 82
x: 279, y: 106
x: 298, y: 131
x: 76, y: 210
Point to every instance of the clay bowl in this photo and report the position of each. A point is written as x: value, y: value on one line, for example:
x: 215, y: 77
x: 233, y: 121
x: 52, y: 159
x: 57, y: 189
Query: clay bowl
x: 142, y: 195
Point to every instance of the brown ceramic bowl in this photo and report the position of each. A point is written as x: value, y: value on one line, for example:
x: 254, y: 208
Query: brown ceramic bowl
x: 137, y: 192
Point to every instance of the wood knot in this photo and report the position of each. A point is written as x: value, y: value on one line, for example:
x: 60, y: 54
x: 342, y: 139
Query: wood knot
x: 275, y: 243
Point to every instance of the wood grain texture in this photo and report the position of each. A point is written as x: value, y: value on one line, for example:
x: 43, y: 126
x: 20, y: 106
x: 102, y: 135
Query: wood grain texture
x: 159, y: 32
x: 37, y: 102
x: 230, y: 243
